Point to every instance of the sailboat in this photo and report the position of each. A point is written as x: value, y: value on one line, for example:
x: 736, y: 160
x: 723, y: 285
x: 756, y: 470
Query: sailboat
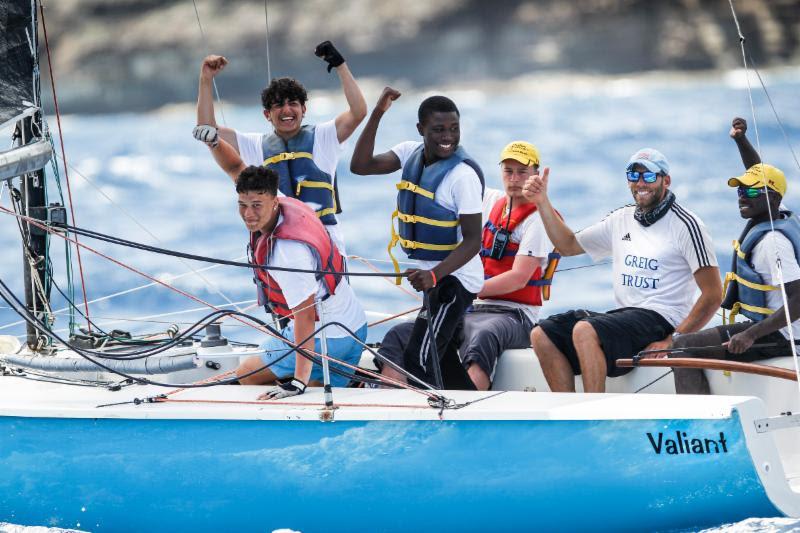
x: 103, y: 433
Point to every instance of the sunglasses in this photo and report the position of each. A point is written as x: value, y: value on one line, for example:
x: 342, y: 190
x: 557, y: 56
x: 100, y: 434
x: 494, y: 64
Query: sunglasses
x: 648, y: 177
x: 749, y: 192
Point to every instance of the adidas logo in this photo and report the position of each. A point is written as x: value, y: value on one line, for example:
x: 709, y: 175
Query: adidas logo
x: 626, y: 237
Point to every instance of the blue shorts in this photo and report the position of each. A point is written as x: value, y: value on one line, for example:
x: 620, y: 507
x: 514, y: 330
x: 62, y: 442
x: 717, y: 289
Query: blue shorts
x: 345, y: 349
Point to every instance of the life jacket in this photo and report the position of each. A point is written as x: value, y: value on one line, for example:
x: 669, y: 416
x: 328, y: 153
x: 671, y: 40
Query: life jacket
x: 745, y: 291
x: 298, y: 224
x: 538, y: 287
x: 426, y: 230
x: 299, y: 176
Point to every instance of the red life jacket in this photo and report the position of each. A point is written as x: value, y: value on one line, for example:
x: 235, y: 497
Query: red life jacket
x: 300, y: 224
x: 539, y: 284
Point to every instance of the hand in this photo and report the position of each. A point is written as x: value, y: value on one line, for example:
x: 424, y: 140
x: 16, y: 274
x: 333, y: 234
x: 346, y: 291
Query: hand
x: 329, y: 54
x: 740, y: 342
x: 663, y: 344
x: 388, y: 96
x: 212, y: 65
x: 421, y: 280
x: 293, y: 387
x: 535, y: 188
x: 206, y: 134
x: 738, y: 128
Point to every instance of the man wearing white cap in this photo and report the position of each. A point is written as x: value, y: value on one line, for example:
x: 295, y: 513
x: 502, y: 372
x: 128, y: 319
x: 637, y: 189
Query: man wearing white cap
x: 766, y: 252
x: 660, y: 251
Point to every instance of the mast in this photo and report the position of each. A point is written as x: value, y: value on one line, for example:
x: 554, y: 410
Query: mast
x: 20, y: 102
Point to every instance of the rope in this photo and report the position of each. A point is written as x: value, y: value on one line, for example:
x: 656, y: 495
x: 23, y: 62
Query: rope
x: 769, y: 207
x: 266, y: 25
x: 211, y: 286
x: 205, y: 42
x: 64, y: 157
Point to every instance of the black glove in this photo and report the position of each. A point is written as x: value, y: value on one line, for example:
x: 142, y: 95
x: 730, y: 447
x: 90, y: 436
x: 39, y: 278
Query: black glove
x: 329, y: 54
x: 284, y: 389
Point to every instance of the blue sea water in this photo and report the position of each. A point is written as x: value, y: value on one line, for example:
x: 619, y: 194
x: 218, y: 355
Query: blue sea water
x: 142, y: 177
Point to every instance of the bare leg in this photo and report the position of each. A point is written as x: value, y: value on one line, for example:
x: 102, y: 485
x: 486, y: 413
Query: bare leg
x: 591, y: 356
x: 555, y: 366
x: 478, y: 377
x: 259, y: 378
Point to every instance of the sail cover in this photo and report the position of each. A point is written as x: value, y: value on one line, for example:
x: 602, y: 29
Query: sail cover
x: 18, y: 63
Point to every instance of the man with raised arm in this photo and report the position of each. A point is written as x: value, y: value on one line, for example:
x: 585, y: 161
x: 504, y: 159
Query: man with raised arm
x: 304, y: 156
x: 285, y: 233
x: 660, y: 253
x: 514, y: 251
x: 438, y: 215
x: 762, y: 258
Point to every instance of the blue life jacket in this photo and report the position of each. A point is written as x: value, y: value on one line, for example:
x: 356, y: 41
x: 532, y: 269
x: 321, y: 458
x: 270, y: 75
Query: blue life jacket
x: 745, y: 291
x: 299, y: 176
x: 426, y: 230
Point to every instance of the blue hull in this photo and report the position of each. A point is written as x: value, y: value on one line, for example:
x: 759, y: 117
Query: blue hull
x: 233, y: 475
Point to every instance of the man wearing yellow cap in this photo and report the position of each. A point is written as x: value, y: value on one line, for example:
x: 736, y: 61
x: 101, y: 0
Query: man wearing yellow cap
x: 766, y: 252
x: 514, y: 252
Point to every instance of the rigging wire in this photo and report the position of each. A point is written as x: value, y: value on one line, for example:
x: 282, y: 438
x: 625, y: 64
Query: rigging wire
x: 266, y: 25
x: 205, y: 43
x: 63, y: 154
x: 774, y: 250
x: 212, y: 286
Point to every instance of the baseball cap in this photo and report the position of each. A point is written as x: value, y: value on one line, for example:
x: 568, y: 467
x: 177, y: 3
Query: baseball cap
x: 755, y: 176
x: 521, y: 151
x: 651, y: 159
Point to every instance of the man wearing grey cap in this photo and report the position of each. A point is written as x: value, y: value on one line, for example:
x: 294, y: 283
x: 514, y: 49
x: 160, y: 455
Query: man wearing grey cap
x: 660, y: 251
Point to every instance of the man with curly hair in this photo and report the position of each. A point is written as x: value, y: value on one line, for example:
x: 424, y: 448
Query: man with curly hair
x: 304, y: 156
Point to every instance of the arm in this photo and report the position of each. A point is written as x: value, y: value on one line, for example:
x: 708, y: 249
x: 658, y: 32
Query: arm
x: 347, y: 122
x: 521, y: 271
x: 364, y: 161
x: 746, y: 151
x: 558, y: 232
x: 211, y: 66
x: 703, y: 310
x: 228, y: 159
x: 304, y: 327
x: 742, y: 341
x: 471, y: 231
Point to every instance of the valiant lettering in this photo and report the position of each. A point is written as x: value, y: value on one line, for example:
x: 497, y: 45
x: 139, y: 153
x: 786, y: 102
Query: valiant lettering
x: 682, y: 444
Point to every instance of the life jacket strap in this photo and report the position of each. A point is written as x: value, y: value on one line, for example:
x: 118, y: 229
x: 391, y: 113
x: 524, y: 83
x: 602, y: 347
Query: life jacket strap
x: 732, y: 276
x: 286, y: 156
x: 314, y: 184
x: 737, y: 249
x: 416, y: 219
x: 405, y: 185
x: 738, y: 306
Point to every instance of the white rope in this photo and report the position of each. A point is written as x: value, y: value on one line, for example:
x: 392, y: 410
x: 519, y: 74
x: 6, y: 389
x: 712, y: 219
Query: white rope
x: 209, y: 284
x: 266, y: 23
x: 208, y: 51
x: 774, y: 250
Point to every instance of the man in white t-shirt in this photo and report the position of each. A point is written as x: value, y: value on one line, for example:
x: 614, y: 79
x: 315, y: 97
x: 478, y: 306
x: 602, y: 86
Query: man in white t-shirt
x: 285, y: 233
x: 439, y: 225
x: 508, y: 305
x: 766, y: 335
x: 660, y: 252
x: 287, y: 149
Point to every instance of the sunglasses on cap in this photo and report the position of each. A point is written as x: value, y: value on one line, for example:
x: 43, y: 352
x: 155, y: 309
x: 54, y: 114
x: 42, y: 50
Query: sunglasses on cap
x: 749, y: 192
x: 647, y: 176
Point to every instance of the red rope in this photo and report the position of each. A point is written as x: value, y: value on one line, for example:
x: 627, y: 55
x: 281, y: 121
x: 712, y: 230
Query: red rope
x: 64, y: 160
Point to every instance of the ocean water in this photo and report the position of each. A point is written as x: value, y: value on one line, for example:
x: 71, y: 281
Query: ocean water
x: 142, y: 177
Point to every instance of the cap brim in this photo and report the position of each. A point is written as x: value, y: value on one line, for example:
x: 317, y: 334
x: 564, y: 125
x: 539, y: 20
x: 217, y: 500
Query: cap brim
x: 649, y: 165
x: 745, y: 181
x: 521, y: 158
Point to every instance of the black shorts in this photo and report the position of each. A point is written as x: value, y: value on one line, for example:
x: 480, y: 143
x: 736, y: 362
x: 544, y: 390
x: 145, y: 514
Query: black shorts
x: 623, y: 333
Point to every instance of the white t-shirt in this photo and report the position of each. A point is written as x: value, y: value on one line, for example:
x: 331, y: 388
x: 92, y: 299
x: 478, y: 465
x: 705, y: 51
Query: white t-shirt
x: 654, y: 265
x: 326, y: 153
x: 460, y: 192
x: 343, y: 306
x: 763, y: 261
x: 533, y: 241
